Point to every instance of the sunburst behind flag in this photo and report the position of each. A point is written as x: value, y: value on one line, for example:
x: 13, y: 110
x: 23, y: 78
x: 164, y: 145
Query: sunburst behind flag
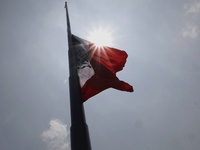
x: 100, y: 37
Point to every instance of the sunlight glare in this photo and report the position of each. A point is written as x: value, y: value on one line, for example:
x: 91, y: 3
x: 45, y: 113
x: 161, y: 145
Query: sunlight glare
x: 100, y: 37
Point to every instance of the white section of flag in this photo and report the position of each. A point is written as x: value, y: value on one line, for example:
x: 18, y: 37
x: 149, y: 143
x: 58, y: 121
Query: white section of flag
x: 85, y: 70
x: 85, y: 73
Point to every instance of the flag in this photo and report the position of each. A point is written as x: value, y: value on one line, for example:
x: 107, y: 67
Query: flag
x: 97, y: 67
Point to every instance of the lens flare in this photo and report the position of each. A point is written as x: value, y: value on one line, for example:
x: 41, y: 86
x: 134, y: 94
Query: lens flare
x: 100, y: 37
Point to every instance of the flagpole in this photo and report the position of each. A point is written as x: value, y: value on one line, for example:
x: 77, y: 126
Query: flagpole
x: 79, y: 133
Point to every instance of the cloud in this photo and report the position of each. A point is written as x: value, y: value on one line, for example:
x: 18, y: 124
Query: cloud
x: 191, y: 31
x: 192, y: 8
x: 56, y: 136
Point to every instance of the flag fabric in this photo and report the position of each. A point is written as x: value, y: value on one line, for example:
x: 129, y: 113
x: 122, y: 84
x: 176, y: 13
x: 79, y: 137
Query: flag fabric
x: 97, y: 67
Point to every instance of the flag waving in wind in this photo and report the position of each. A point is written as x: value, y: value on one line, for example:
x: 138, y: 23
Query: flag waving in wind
x: 97, y: 67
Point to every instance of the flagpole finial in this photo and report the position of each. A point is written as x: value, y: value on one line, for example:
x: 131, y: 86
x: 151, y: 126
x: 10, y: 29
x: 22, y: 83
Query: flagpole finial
x: 65, y: 4
x: 68, y: 26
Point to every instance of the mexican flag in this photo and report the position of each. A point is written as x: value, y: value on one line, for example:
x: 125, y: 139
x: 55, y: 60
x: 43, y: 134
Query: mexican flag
x: 97, y: 67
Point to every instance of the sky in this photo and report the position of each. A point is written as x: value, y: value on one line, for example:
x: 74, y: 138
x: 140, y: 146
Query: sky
x: 161, y: 39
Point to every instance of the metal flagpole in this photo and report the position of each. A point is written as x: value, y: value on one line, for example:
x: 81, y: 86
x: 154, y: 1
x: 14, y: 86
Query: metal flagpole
x: 79, y: 133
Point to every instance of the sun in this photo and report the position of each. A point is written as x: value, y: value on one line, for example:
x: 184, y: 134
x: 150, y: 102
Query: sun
x: 100, y: 37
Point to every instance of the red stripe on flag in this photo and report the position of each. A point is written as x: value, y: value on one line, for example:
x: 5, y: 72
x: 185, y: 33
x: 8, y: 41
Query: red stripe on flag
x: 105, y: 62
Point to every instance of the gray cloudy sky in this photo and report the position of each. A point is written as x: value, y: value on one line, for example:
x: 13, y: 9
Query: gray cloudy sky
x: 162, y: 41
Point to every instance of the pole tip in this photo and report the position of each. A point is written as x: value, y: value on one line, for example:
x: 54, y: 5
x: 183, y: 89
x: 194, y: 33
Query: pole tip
x: 65, y: 4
